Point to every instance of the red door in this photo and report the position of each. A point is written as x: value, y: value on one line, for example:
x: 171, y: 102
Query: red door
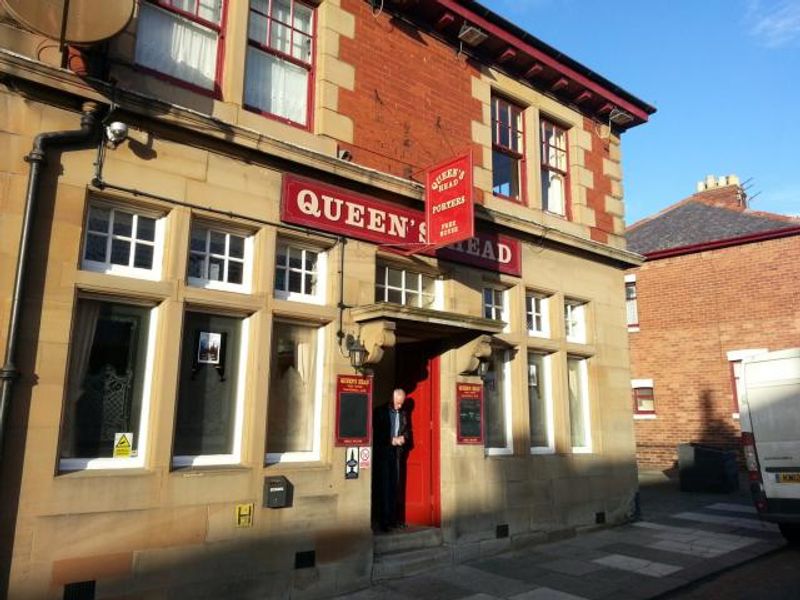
x: 418, y: 374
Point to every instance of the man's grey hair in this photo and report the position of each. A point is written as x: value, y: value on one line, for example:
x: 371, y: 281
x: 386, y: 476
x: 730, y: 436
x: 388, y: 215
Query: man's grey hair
x: 398, y: 392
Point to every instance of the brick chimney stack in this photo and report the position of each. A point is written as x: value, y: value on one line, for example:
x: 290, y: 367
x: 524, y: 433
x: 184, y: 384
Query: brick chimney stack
x: 725, y: 190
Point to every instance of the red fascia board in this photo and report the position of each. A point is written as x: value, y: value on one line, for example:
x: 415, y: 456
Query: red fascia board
x: 515, y: 42
x: 737, y: 241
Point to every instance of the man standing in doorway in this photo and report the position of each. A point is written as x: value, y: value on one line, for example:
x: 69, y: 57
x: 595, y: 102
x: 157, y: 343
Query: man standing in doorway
x: 392, y: 429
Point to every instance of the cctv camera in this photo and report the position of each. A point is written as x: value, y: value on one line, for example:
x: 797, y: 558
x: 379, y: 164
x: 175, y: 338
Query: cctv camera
x: 117, y: 132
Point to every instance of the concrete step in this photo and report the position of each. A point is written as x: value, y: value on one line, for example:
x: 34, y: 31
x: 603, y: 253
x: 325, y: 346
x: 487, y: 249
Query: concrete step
x: 411, y: 562
x: 403, y: 540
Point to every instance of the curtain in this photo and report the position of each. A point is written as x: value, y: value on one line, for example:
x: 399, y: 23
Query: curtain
x: 175, y: 46
x: 276, y: 86
x: 80, y: 351
x: 553, y: 191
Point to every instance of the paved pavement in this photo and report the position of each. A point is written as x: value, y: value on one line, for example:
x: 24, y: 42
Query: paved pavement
x: 681, y: 538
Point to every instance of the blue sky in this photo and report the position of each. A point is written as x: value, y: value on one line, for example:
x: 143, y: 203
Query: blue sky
x: 723, y: 74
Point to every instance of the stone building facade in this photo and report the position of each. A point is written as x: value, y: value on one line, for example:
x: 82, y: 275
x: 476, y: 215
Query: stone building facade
x: 181, y: 333
x: 718, y: 285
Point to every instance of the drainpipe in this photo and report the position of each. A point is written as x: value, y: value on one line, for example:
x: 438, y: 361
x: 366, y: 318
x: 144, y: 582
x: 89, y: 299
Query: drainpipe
x: 36, y: 160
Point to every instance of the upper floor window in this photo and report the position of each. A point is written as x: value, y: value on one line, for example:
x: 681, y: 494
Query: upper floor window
x: 575, y: 320
x: 508, y: 149
x: 631, y: 308
x: 219, y: 259
x: 279, y: 59
x: 299, y: 273
x: 401, y: 286
x: 554, y: 168
x: 536, y: 312
x: 181, y: 39
x: 123, y: 242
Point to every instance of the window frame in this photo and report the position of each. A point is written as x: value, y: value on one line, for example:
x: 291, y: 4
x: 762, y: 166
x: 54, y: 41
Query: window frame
x: 578, y: 334
x: 133, y: 462
x: 546, y: 167
x: 544, y: 313
x: 437, y: 286
x: 633, y: 301
x: 736, y: 357
x: 585, y: 405
x: 310, y: 67
x: 643, y: 384
x: 320, y: 295
x: 220, y: 29
x: 315, y: 454
x: 235, y: 456
x: 508, y: 449
x: 247, y: 260
x: 547, y: 367
x: 493, y: 307
x: 109, y: 268
x: 516, y: 154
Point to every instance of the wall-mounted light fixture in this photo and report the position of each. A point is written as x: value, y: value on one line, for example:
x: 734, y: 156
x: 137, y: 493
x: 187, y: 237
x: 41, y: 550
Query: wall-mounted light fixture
x: 356, y: 351
x: 471, y: 35
x: 483, y: 369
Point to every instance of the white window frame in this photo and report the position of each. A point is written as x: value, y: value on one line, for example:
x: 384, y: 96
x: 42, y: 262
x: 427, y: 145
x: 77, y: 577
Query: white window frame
x: 508, y: 449
x: 319, y: 296
x: 630, y: 280
x: 643, y: 383
x: 235, y: 457
x: 437, y: 286
x: 575, y: 312
x: 125, y: 270
x: 315, y: 454
x: 505, y: 306
x: 548, y: 399
x: 737, y: 356
x: 138, y: 461
x: 585, y: 404
x: 530, y: 301
x: 247, y: 260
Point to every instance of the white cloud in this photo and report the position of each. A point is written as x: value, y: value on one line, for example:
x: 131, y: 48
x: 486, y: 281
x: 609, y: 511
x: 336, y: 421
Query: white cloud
x: 775, y: 23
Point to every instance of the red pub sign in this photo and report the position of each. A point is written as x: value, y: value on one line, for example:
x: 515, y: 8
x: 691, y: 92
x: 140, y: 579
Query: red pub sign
x: 336, y: 210
x: 449, y: 211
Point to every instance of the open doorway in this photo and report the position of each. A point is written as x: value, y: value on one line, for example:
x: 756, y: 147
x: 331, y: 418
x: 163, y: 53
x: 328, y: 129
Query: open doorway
x: 414, y: 367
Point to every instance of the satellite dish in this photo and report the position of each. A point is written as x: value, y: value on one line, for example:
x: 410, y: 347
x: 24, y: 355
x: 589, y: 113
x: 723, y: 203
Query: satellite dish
x: 87, y: 21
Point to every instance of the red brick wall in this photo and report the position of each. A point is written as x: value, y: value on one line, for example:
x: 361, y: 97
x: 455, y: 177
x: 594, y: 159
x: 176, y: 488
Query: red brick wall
x: 596, y: 197
x: 693, y: 309
x: 412, y: 106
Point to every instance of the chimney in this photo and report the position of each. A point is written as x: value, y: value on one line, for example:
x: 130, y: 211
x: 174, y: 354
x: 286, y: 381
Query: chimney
x: 736, y: 196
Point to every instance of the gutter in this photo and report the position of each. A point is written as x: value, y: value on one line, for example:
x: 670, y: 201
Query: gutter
x: 36, y: 160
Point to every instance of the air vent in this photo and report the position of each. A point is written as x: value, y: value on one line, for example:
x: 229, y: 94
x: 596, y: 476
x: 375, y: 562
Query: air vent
x: 501, y: 531
x: 305, y: 560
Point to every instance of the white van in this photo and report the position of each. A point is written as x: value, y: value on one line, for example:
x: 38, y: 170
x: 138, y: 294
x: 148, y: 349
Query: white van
x: 770, y: 420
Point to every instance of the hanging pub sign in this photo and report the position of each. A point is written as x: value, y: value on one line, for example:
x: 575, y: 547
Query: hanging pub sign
x: 469, y: 405
x: 336, y: 210
x: 353, y: 410
x: 449, y: 209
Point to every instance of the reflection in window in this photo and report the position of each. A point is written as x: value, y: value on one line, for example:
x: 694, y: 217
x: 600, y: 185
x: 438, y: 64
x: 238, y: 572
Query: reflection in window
x: 507, y: 149
x: 495, y: 397
x: 106, y: 378
x: 494, y: 304
x: 541, y: 435
x: 217, y: 257
x: 296, y: 271
x: 578, y: 403
x: 292, y: 388
x: 208, y: 385
x: 120, y: 241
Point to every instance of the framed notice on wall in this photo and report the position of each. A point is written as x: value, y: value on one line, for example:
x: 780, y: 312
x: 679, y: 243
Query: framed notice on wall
x: 469, y: 407
x: 353, y: 410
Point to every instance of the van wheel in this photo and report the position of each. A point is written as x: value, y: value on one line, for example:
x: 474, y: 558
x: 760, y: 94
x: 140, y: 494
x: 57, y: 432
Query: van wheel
x: 791, y: 531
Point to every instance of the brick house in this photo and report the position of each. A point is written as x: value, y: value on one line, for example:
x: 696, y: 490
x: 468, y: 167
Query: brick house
x: 719, y: 283
x: 193, y: 295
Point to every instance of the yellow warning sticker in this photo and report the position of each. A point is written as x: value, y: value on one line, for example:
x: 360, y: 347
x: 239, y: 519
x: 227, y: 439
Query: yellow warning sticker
x: 244, y: 515
x: 123, y: 445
